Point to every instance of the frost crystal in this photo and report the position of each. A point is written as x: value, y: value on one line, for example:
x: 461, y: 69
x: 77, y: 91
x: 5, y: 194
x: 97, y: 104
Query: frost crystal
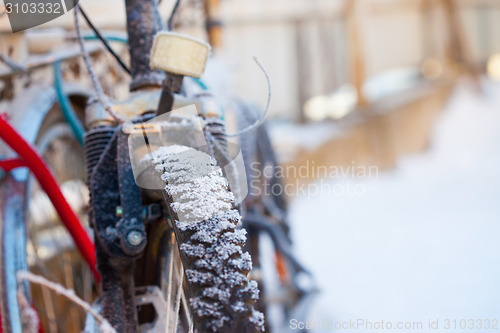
x: 195, y: 182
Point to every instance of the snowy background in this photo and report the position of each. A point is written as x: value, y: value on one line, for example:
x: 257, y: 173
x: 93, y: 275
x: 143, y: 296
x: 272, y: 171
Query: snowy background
x: 422, y: 242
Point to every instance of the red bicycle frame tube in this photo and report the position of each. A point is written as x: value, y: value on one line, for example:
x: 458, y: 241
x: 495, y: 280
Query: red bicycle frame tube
x: 42, y: 173
x: 11, y: 163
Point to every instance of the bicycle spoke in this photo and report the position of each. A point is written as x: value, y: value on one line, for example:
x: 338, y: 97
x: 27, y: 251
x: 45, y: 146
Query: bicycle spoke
x: 180, y: 291
x: 69, y: 281
x: 87, y: 284
x: 49, y: 310
x: 185, y: 307
x: 170, y: 278
x: 37, y: 306
x: 39, y: 262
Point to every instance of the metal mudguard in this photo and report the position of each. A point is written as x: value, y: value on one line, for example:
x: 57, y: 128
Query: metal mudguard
x: 12, y: 250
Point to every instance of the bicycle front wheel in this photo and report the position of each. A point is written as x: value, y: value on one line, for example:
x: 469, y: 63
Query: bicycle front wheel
x: 205, y: 225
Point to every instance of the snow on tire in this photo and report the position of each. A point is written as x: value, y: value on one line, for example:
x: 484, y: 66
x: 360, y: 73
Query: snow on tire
x: 210, y: 244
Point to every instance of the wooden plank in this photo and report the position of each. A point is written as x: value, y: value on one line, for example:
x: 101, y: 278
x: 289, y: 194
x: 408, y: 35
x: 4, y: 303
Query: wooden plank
x: 391, y: 7
x: 213, y: 23
x: 356, y: 50
x: 459, y: 49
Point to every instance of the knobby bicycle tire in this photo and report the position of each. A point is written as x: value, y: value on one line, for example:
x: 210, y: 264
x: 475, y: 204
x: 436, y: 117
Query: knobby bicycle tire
x: 221, y: 297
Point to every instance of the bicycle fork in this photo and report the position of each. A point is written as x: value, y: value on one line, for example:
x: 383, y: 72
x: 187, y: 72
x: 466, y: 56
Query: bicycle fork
x: 117, y: 219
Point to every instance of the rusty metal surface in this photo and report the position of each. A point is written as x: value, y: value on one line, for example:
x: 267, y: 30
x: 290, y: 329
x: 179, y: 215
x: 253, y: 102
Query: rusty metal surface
x: 117, y: 219
x: 171, y: 85
x: 141, y: 102
x: 38, y: 61
x: 127, y: 109
x: 143, y: 22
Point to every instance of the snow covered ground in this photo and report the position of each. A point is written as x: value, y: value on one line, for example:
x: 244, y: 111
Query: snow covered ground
x: 423, y: 241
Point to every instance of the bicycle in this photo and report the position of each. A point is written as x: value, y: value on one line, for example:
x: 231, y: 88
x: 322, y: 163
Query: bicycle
x: 130, y: 224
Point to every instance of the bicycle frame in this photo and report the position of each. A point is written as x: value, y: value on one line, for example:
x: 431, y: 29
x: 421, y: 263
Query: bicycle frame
x: 143, y: 22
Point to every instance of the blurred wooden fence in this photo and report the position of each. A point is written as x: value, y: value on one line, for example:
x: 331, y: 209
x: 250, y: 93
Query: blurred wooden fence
x: 311, y: 47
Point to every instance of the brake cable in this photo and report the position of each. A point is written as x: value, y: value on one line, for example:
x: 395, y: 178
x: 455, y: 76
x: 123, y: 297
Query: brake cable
x: 171, y: 18
x: 104, y: 41
x: 101, y: 97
